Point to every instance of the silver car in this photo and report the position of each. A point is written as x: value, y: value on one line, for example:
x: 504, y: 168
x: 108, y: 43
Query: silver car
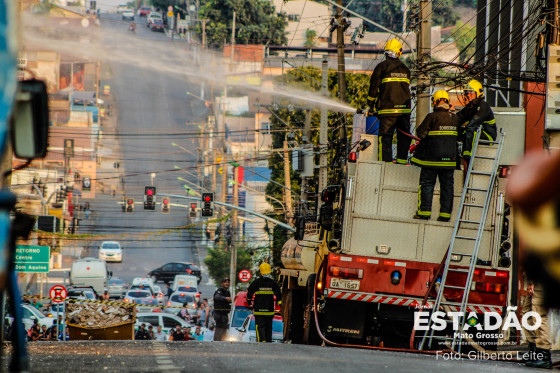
x: 133, y: 296
x: 116, y: 287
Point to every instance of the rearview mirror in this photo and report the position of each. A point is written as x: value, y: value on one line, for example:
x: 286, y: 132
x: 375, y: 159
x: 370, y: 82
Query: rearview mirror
x: 30, y: 120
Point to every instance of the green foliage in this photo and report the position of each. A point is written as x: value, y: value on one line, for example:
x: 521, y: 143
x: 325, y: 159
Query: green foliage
x: 464, y: 36
x: 256, y: 22
x: 389, y: 14
x: 218, y: 261
x: 310, y: 36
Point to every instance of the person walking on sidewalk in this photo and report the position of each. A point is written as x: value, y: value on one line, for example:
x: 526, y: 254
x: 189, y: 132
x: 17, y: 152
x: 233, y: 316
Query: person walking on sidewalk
x: 86, y: 209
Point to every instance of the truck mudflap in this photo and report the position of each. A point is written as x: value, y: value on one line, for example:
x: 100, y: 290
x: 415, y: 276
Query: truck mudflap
x: 403, y: 301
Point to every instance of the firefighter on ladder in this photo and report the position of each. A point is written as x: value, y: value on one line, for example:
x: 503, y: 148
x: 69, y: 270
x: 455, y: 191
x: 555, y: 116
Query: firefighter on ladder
x: 436, y: 154
x: 476, y: 112
x: 264, y: 289
x: 389, y: 97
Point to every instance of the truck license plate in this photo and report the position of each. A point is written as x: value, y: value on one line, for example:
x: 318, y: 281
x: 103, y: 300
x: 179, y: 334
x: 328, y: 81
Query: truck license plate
x: 345, y: 284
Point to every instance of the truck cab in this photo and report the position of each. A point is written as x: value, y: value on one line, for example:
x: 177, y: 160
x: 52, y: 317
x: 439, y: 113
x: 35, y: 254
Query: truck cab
x: 89, y: 272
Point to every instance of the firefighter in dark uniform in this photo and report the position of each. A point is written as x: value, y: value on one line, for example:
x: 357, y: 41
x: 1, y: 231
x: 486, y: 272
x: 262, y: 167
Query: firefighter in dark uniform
x: 222, y: 306
x: 476, y: 112
x: 436, y: 154
x: 389, y: 97
x: 264, y: 288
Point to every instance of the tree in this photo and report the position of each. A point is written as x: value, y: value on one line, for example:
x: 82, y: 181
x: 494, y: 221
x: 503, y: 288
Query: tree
x: 464, y: 38
x: 310, y: 36
x: 256, y: 22
x: 218, y: 261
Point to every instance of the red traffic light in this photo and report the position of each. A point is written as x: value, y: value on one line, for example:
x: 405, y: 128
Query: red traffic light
x: 207, y: 198
x: 150, y: 192
x: 193, y: 205
x: 165, y: 201
x: 130, y: 201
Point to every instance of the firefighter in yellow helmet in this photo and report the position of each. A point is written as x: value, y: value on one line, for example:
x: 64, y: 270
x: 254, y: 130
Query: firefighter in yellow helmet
x: 389, y: 96
x: 265, y: 292
x: 436, y: 154
x: 476, y: 112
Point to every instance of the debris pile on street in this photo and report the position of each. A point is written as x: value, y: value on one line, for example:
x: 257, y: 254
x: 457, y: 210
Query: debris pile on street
x: 98, y: 314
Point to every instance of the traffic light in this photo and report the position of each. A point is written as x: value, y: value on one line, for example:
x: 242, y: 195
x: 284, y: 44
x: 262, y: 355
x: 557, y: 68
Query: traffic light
x: 149, y: 198
x: 193, y: 209
x: 207, y: 204
x: 165, y: 205
x: 130, y: 205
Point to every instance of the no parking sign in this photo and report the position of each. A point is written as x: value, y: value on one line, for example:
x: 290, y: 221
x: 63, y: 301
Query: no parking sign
x: 244, y: 275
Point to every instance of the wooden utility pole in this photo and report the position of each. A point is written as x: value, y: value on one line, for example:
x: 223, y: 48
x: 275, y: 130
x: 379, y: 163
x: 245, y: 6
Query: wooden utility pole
x: 306, y: 143
x: 233, y: 41
x: 340, y: 51
x: 423, y: 55
x: 204, y: 33
x: 224, y: 179
x: 288, y: 185
x: 323, y: 132
x: 235, y: 226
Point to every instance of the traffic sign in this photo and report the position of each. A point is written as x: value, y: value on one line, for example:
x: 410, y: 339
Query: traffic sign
x: 170, y: 14
x: 32, y: 258
x: 244, y: 275
x: 58, y: 293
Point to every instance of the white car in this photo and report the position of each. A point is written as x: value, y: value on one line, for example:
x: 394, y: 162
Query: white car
x: 30, y: 314
x: 154, y: 16
x: 133, y: 296
x: 159, y: 295
x: 128, y: 15
x: 111, y: 251
x: 247, y: 332
x: 179, y: 299
x: 147, y: 282
x: 166, y: 320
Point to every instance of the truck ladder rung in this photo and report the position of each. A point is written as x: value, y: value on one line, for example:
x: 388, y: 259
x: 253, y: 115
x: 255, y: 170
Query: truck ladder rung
x: 477, y: 189
x: 466, y: 238
x: 459, y: 270
x: 472, y: 205
x: 455, y: 287
x: 481, y: 173
x: 469, y: 221
x: 484, y: 157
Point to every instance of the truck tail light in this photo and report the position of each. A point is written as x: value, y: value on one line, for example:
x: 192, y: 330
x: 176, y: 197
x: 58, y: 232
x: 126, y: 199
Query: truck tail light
x: 169, y: 304
x: 126, y: 300
x: 353, y: 157
x: 488, y: 287
x: 189, y: 271
x: 346, y: 272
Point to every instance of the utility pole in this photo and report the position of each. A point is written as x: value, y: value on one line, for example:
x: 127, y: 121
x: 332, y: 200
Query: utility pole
x: 288, y: 184
x: 307, y: 140
x: 235, y: 225
x: 323, y: 129
x: 224, y: 179
x: 204, y: 34
x: 341, y: 22
x: 423, y: 55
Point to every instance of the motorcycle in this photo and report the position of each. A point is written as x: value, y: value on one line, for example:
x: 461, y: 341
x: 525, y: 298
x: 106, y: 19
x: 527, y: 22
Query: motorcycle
x: 132, y: 28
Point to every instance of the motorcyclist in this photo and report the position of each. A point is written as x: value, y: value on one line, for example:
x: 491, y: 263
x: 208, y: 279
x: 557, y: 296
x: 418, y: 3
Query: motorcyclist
x: 132, y: 26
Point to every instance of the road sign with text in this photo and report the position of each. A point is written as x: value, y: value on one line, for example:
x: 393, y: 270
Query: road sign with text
x: 32, y: 258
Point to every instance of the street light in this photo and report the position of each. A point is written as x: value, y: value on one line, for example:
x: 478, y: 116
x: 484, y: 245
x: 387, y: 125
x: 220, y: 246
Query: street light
x: 190, y: 182
x: 185, y: 171
x: 185, y: 149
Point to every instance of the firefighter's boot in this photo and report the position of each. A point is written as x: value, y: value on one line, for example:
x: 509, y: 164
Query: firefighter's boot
x: 530, y: 354
x: 541, y: 359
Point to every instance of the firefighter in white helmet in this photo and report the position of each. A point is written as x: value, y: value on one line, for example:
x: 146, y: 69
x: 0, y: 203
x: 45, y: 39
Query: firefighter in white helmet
x: 266, y: 291
x: 476, y: 112
x: 389, y: 97
x: 436, y: 154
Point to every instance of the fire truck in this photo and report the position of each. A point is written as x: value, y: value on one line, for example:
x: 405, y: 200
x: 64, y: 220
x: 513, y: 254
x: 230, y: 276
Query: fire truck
x: 359, y: 275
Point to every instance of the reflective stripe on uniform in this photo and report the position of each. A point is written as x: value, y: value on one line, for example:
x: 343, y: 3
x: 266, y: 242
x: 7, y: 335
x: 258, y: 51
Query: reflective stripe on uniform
x: 264, y: 292
x: 401, y: 161
x: 442, y: 133
x: 380, y: 155
x: 488, y: 136
x: 444, y: 215
x: 419, y: 196
x: 264, y: 313
x: 371, y: 98
x: 394, y: 111
x: 387, y: 80
x: 424, y: 213
x: 492, y: 121
x: 434, y: 163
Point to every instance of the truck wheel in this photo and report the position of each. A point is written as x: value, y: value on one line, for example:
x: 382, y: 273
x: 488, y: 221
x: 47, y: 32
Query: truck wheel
x: 310, y: 334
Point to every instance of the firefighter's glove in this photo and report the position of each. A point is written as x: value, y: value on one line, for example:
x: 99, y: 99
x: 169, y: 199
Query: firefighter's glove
x: 413, y: 147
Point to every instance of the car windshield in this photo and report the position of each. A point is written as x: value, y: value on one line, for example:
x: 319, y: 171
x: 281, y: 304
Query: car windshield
x: 138, y: 294
x: 110, y: 245
x: 187, y: 289
x: 116, y: 281
x: 239, y: 315
x: 182, y: 298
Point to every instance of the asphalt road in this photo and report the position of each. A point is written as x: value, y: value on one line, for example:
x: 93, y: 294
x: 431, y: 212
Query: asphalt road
x: 145, y: 356
x: 154, y: 111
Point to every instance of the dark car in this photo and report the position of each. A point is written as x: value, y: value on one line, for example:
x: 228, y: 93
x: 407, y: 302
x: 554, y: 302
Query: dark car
x: 145, y: 11
x: 167, y: 272
x: 156, y: 26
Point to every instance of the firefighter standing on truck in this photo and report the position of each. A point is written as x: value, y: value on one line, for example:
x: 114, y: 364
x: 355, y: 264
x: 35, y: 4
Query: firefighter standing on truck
x: 476, y: 112
x: 264, y: 288
x: 389, y: 97
x: 436, y: 154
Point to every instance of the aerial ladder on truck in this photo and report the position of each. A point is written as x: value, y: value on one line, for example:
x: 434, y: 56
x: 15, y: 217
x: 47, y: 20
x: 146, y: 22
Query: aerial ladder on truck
x: 480, y: 181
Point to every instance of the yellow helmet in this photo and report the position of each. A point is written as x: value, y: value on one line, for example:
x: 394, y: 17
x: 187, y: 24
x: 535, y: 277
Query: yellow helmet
x: 438, y: 96
x: 393, y: 48
x: 264, y: 269
x: 476, y: 87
